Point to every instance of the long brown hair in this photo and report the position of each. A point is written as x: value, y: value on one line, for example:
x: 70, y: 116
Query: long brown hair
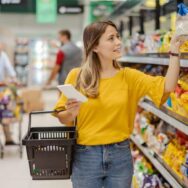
x: 89, y: 75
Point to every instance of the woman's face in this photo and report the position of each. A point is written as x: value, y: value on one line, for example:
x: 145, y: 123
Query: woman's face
x: 109, y: 46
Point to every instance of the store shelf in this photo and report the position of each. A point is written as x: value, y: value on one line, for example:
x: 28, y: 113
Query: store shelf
x: 150, y: 60
x: 170, y: 170
x: 163, y: 113
x: 163, y: 171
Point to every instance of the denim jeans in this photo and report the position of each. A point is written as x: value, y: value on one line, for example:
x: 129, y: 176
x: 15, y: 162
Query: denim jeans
x: 108, y: 166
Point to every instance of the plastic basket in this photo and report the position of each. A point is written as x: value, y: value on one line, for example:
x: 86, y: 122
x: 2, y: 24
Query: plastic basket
x: 49, y: 150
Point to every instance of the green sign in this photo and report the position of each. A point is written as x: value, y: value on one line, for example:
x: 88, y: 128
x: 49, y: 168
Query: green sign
x: 100, y: 9
x: 46, y: 11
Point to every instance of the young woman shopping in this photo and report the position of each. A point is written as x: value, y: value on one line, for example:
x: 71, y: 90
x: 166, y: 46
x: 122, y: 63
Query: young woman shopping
x: 102, y: 155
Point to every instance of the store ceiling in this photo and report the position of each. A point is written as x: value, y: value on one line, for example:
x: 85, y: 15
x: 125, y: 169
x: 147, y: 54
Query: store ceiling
x: 125, y: 6
x: 133, y: 7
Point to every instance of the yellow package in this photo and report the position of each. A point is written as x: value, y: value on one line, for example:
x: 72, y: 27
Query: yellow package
x: 174, y: 102
x: 183, y: 84
x: 184, y: 47
x: 165, y: 47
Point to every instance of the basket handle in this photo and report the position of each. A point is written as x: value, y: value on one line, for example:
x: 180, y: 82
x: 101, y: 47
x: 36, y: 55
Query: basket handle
x: 39, y: 112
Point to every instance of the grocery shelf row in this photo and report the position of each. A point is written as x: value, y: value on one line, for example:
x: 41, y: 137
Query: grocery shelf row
x: 165, y: 114
x: 158, y: 165
x: 150, y: 60
x: 168, y: 116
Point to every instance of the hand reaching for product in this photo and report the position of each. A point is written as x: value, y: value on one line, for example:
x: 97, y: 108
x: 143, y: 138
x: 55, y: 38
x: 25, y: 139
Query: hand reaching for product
x: 73, y: 106
x: 176, y: 42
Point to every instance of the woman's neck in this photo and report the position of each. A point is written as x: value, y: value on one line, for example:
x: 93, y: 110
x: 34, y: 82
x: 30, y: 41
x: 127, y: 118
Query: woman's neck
x: 108, y: 70
x: 107, y: 65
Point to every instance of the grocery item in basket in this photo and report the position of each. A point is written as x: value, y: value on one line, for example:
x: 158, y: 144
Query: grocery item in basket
x: 182, y: 20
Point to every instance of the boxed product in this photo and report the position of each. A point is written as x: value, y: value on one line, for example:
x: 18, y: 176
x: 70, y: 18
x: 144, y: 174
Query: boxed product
x: 32, y: 98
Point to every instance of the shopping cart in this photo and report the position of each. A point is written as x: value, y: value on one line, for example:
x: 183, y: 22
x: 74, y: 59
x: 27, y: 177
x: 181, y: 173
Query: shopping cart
x: 6, y: 113
x: 49, y: 150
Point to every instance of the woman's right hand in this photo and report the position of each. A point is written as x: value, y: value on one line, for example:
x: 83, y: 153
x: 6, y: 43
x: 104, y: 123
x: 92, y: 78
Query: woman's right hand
x: 72, y: 107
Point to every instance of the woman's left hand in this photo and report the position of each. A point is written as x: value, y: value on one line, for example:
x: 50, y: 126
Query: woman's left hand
x: 176, y: 42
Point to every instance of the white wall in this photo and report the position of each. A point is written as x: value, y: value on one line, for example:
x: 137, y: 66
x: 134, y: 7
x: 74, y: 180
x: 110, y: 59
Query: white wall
x: 14, y: 25
x: 25, y: 24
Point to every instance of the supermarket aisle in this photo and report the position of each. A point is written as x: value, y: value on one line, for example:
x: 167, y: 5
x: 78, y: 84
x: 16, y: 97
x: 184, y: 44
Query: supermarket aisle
x: 14, y: 172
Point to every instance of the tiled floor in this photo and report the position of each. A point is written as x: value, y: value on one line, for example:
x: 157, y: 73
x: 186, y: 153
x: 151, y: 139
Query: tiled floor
x: 14, y: 172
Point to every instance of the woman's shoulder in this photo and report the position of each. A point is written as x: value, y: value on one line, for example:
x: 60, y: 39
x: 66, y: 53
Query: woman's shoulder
x: 74, y: 72
x: 131, y: 71
x: 72, y: 76
x: 128, y: 70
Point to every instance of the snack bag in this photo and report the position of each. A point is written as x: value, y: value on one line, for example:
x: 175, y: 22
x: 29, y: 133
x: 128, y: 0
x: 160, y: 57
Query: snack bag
x: 182, y: 21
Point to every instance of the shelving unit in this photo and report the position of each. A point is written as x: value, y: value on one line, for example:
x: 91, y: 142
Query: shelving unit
x: 166, y: 174
x: 173, y: 119
x: 176, y: 121
x: 21, y: 59
x: 150, y: 60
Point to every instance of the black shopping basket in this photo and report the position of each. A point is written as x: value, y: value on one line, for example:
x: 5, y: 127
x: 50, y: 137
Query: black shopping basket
x: 49, y: 150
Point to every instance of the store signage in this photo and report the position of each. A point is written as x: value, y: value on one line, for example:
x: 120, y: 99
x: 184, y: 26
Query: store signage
x: 46, y: 11
x: 10, y: 2
x: 100, y: 9
x: 70, y: 9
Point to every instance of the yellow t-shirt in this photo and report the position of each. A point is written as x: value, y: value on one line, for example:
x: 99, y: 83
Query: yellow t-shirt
x: 109, y: 118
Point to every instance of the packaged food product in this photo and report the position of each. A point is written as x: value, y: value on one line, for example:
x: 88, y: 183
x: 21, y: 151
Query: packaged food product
x: 182, y: 20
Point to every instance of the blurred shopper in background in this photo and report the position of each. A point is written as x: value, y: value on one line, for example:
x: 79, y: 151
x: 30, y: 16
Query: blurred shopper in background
x: 68, y: 57
x: 6, y: 69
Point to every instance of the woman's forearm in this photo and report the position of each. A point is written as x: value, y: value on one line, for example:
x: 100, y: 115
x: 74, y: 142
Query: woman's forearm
x: 172, y: 74
x: 65, y: 117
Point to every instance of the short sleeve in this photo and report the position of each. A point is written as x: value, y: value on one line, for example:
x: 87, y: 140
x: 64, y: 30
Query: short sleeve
x: 60, y: 57
x: 71, y: 79
x: 143, y: 84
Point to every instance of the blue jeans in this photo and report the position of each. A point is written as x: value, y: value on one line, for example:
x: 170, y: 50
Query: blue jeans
x: 108, y: 166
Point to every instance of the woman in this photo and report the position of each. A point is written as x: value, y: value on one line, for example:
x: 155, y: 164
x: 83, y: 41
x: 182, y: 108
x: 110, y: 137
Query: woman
x: 105, y: 122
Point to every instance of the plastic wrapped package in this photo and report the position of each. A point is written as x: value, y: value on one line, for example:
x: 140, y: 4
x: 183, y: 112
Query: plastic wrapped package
x: 182, y: 20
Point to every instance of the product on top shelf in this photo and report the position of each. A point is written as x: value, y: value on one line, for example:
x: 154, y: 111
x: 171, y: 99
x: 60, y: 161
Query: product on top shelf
x: 184, y: 47
x: 152, y: 43
x: 182, y: 20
